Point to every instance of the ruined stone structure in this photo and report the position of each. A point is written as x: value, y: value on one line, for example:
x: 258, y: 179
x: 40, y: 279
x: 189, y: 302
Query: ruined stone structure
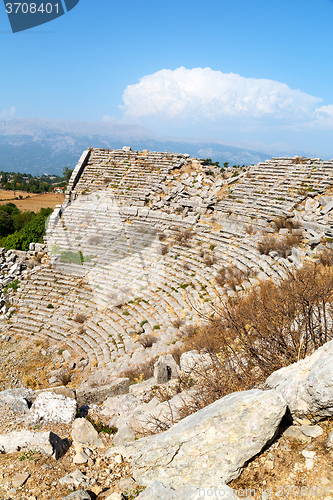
x: 141, y: 237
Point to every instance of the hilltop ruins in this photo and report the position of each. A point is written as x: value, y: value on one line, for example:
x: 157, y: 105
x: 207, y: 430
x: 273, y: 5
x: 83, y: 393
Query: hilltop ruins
x: 128, y: 260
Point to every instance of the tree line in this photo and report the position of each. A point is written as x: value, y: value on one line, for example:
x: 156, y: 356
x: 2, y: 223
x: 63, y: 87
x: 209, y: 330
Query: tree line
x: 16, y: 181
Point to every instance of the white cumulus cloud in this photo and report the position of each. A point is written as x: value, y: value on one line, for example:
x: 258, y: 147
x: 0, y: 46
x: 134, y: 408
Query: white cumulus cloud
x: 6, y: 114
x: 202, y: 94
x: 324, y: 116
x: 107, y: 118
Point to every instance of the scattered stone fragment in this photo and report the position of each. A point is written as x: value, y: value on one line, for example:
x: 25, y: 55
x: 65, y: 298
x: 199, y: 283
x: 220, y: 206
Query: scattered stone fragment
x: 329, y: 443
x: 83, y: 432
x: 118, y: 459
x: 80, y: 458
x: 75, y: 478
x: 78, y: 495
x: 294, y: 432
x: 20, y: 479
x: 312, y: 431
x: 114, y: 496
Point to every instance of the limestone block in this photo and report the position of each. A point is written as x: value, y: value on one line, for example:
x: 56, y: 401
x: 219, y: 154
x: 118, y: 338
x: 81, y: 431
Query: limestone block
x: 97, y: 395
x: 307, y: 386
x: 210, y: 447
x: 327, y: 208
x: 83, y: 432
x: 165, y: 369
x: 53, y: 408
x: 192, y: 361
x: 16, y: 400
x: 45, y: 442
x: 63, y: 390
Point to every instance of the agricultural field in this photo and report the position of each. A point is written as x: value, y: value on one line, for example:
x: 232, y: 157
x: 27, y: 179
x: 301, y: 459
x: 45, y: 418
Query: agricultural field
x: 34, y: 203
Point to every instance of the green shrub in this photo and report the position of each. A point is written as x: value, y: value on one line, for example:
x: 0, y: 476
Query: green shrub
x: 14, y: 285
x: 33, y: 231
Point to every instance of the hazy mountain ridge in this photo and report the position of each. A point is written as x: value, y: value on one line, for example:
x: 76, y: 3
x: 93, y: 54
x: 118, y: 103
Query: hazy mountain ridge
x: 39, y: 145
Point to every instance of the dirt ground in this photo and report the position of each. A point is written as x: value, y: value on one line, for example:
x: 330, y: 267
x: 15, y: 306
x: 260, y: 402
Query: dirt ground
x: 34, y: 203
x: 281, y: 472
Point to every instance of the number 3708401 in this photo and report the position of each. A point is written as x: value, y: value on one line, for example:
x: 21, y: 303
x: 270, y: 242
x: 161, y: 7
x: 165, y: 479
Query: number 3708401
x: 31, y: 8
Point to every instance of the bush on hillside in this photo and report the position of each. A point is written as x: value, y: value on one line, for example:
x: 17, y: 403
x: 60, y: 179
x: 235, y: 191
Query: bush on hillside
x: 282, y: 245
x: 6, y: 224
x: 250, y: 336
x: 282, y: 223
x: 32, y: 231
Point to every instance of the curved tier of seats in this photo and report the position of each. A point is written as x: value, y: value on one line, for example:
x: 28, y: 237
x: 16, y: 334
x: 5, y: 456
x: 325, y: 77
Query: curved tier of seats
x: 271, y: 188
x: 117, y: 271
x: 131, y: 174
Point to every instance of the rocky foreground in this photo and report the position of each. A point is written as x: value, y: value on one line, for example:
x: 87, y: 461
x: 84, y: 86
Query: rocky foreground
x: 53, y: 447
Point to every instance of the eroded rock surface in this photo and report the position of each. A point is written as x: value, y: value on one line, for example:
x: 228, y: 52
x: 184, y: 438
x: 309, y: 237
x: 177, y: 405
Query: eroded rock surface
x: 307, y: 386
x: 209, y: 447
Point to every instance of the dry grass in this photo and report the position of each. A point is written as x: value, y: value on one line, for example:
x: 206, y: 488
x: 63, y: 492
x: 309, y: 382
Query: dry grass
x: 176, y: 353
x: 80, y: 318
x: 36, y: 202
x: 162, y: 236
x: 147, y: 340
x: 183, y: 237
x: 8, y: 194
x: 232, y: 276
x: 298, y: 160
x: 249, y: 337
x: 189, y: 331
x: 139, y: 373
x: 326, y: 257
x: 280, y: 244
x: 209, y: 259
x: 177, y: 322
x: 164, y: 249
x: 31, y: 382
x: 250, y: 229
x: 65, y: 377
x: 284, y: 223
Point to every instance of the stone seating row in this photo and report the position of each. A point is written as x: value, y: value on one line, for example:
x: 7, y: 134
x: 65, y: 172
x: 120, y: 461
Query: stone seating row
x: 275, y: 186
x: 127, y: 170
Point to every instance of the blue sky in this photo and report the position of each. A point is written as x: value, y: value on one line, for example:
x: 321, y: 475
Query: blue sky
x: 243, y: 70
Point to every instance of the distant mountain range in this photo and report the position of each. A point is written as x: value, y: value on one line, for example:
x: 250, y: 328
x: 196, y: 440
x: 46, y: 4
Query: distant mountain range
x: 42, y: 145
